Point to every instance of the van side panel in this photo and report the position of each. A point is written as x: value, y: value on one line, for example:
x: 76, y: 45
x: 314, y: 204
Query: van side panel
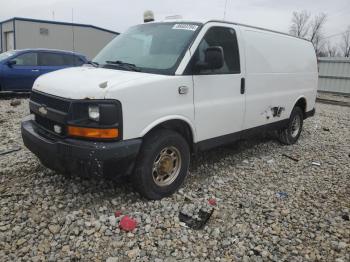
x: 280, y: 69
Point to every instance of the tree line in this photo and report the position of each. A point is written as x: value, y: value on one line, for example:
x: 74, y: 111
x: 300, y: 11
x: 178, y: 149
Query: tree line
x: 304, y: 25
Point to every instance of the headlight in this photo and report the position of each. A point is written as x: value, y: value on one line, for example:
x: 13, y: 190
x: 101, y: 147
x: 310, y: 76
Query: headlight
x: 94, y: 113
x: 101, y: 119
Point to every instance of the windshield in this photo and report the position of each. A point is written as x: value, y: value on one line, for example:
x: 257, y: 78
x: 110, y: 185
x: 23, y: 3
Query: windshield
x: 6, y: 55
x: 153, y: 47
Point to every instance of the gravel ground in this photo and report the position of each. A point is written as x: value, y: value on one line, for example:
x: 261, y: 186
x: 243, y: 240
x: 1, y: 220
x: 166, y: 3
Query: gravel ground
x: 268, y: 206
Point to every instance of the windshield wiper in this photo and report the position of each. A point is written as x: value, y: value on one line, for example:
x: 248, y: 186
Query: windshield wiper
x: 95, y: 64
x: 123, y: 65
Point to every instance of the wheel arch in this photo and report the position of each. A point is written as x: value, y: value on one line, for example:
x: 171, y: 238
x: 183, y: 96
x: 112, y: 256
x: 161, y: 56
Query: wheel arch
x: 302, y: 103
x: 179, y: 124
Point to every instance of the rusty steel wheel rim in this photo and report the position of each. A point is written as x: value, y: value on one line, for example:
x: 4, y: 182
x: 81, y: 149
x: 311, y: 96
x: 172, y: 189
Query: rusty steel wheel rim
x: 295, y: 126
x: 166, y: 166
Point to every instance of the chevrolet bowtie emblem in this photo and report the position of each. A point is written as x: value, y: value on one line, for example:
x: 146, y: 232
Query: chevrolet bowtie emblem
x: 42, y: 109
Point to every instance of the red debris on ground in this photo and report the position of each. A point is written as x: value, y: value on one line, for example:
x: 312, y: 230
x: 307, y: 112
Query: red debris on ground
x: 212, y: 202
x: 118, y: 213
x: 127, y: 223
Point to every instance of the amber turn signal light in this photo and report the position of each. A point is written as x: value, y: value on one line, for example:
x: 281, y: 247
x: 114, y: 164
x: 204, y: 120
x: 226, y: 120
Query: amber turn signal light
x: 93, y: 132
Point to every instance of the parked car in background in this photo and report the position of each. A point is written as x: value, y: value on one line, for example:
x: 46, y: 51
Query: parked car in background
x: 20, y: 68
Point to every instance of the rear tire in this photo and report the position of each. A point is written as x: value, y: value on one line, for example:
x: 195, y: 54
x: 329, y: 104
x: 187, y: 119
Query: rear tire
x: 291, y: 133
x: 162, y: 164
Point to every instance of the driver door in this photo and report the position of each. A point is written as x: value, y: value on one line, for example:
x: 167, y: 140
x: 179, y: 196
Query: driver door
x: 219, y: 99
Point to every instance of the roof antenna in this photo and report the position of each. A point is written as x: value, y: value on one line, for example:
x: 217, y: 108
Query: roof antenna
x: 73, y: 33
x: 225, y: 9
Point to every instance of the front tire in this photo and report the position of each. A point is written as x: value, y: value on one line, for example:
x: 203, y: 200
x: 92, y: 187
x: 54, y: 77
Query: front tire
x: 162, y: 164
x: 291, y: 133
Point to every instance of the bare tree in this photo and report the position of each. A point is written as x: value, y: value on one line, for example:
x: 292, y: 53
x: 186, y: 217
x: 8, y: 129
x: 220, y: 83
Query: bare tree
x: 345, y: 43
x: 312, y: 29
x: 300, y: 24
x: 316, y: 31
x: 330, y: 50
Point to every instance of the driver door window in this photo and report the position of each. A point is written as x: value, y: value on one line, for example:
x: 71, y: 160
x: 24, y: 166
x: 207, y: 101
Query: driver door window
x: 27, y: 59
x: 226, y: 38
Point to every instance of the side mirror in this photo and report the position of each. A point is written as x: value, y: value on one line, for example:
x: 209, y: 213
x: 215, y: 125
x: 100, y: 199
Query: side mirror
x: 10, y: 63
x: 214, y: 58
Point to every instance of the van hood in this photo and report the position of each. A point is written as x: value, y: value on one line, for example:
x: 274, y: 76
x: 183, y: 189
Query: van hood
x: 84, y: 82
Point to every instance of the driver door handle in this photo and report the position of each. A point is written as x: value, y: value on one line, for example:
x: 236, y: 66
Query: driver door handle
x: 35, y: 70
x: 242, y: 85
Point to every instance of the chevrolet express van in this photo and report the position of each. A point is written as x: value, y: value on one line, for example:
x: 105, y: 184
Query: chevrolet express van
x: 164, y: 90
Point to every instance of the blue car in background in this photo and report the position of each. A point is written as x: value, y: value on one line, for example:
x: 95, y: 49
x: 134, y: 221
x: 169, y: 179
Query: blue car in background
x: 20, y: 68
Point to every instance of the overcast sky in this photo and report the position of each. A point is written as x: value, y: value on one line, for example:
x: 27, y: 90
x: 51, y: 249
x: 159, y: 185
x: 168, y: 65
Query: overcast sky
x: 118, y: 15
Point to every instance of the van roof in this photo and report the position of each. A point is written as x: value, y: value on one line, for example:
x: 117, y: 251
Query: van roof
x: 202, y: 21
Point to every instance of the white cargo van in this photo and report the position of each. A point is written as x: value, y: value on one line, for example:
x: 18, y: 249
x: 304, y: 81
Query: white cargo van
x: 162, y: 91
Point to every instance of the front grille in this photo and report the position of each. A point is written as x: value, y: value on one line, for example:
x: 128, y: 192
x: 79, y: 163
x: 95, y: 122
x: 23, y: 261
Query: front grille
x: 53, y: 102
x: 48, y: 124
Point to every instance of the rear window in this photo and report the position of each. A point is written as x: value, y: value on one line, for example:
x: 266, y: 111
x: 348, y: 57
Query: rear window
x: 50, y: 59
x: 72, y: 60
x: 78, y: 61
x: 55, y: 59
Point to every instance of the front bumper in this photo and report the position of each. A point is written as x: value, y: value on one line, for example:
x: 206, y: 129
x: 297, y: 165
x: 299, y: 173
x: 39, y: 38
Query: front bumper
x: 75, y: 156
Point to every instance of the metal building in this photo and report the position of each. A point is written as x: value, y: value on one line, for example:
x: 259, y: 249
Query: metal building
x: 21, y: 33
x: 334, y: 74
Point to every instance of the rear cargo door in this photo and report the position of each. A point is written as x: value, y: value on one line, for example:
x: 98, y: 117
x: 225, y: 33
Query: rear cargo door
x: 219, y: 97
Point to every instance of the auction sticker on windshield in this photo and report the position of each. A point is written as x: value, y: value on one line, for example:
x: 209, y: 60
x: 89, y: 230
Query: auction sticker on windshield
x: 185, y: 27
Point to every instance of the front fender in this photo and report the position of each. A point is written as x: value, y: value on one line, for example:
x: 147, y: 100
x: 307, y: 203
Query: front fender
x: 167, y: 118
